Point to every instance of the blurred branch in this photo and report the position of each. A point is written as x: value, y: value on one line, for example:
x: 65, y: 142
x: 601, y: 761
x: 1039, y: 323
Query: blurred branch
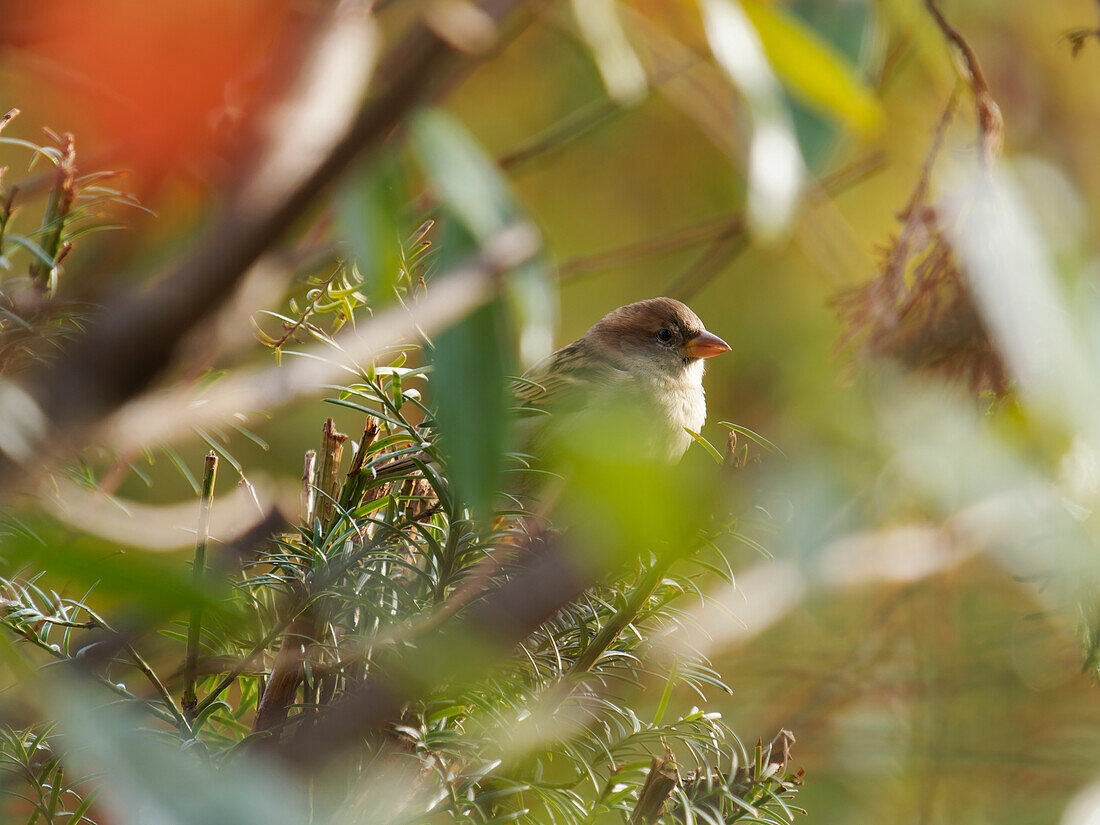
x: 990, y: 122
x: 581, y: 121
x: 194, y: 630
x: 672, y: 241
x: 135, y: 337
x: 1077, y: 37
x: 730, y: 243
x: 719, y: 230
x: 501, y: 620
x: 454, y: 293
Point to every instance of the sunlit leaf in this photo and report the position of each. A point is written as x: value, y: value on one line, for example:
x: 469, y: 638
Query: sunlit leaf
x: 463, y: 176
x: 369, y: 203
x: 812, y: 68
x: 775, y: 167
x: 622, y: 72
x: 471, y: 369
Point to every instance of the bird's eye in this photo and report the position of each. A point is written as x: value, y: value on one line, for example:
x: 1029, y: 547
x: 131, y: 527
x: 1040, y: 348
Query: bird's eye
x: 664, y: 334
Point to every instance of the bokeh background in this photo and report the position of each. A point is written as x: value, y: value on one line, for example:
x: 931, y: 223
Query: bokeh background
x: 932, y: 670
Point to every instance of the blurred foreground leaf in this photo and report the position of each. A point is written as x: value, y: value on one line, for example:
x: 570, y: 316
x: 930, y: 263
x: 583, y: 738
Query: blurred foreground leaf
x: 814, y: 70
x: 369, y: 202
x: 149, y: 782
x: 775, y: 167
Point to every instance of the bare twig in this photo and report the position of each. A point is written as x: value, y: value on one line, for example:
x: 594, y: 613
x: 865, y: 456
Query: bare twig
x: 194, y: 631
x: 332, y: 450
x: 716, y: 229
x: 659, y: 785
x: 652, y: 247
x: 730, y: 242
x: 1077, y: 37
x: 308, y: 496
x: 8, y: 117
x: 990, y: 122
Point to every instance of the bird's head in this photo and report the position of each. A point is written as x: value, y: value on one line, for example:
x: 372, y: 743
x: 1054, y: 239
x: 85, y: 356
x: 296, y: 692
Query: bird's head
x: 659, y: 334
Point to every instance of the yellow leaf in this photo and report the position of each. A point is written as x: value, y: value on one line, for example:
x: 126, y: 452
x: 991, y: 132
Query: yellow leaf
x: 814, y: 71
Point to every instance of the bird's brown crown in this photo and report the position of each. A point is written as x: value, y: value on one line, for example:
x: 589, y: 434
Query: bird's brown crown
x: 635, y: 325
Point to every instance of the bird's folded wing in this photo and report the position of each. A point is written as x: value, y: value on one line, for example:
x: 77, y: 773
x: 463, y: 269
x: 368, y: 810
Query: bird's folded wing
x: 564, y: 382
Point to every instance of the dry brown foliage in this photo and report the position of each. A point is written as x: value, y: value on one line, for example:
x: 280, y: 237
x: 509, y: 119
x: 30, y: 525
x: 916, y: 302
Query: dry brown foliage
x: 919, y: 310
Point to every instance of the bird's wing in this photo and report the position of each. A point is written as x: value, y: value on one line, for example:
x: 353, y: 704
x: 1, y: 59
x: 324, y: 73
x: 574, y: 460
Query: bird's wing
x: 564, y: 381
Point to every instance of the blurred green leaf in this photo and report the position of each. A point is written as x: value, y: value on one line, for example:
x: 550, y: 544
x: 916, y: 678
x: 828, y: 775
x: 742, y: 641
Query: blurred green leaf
x: 470, y: 377
x: 368, y: 208
x: 465, y: 179
x: 814, y: 70
x: 144, y: 780
x: 153, y: 585
x: 473, y: 358
x: 622, y: 72
x: 849, y: 28
x: 471, y: 391
x: 775, y: 167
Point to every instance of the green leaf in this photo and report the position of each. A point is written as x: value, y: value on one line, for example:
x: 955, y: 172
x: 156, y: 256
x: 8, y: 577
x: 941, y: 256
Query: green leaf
x: 471, y: 369
x: 465, y: 179
x: 712, y: 451
x: 753, y: 436
x: 774, y: 166
x: 31, y: 247
x: 151, y: 585
x: 813, y: 69
x: 368, y: 206
x: 145, y: 779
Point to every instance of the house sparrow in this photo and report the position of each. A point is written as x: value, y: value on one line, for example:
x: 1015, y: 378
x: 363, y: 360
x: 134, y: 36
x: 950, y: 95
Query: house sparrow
x: 643, y: 361
x: 633, y: 381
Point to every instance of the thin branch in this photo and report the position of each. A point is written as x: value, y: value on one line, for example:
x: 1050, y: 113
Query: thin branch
x: 663, y: 244
x: 729, y: 244
x: 622, y: 618
x: 990, y: 122
x: 659, y: 785
x: 194, y: 631
x: 177, y: 712
x: 8, y: 117
x: 720, y: 228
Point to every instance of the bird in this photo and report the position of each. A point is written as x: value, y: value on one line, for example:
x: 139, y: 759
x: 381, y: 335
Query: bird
x: 633, y: 381
x: 641, y: 363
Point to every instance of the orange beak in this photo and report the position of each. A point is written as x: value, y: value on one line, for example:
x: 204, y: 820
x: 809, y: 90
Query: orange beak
x: 706, y: 345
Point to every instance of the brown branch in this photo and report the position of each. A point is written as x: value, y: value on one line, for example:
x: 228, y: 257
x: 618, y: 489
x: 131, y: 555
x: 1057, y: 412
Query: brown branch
x: 659, y: 785
x: 328, y: 484
x: 717, y: 230
x: 727, y: 245
x: 653, y: 247
x: 7, y: 118
x: 483, y: 635
x: 990, y: 122
x: 286, y: 673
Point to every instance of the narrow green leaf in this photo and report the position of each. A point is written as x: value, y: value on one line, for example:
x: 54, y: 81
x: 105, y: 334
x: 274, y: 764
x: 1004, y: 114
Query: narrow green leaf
x: 368, y: 206
x: 753, y: 436
x: 712, y: 451
x: 464, y: 177
x: 471, y: 368
x: 813, y: 69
